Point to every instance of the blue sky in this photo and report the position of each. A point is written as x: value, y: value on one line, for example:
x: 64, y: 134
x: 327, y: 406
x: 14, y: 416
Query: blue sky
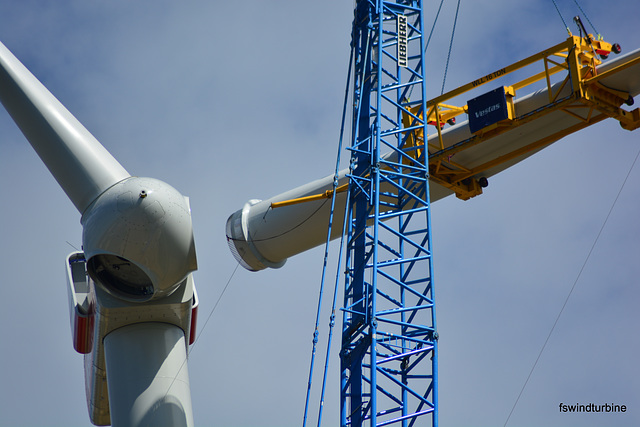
x: 229, y: 102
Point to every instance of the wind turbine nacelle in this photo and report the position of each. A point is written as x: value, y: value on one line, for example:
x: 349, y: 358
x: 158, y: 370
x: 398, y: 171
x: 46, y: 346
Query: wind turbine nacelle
x: 138, y: 239
x: 260, y: 236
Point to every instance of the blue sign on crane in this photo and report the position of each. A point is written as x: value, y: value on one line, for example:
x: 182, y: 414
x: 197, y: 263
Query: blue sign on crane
x: 487, y: 109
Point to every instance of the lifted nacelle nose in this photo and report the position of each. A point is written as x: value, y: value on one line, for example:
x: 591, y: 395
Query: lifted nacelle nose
x: 138, y: 239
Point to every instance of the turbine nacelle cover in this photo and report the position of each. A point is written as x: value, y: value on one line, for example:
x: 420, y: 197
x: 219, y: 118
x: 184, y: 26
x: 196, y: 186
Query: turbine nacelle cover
x: 241, y: 243
x: 138, y: 239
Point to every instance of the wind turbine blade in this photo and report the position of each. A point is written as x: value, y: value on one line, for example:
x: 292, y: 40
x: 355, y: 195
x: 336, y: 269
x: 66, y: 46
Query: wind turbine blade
x: 80, y: 164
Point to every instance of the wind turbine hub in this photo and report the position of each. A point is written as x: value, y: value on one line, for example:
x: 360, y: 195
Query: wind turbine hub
x: 138, y: 239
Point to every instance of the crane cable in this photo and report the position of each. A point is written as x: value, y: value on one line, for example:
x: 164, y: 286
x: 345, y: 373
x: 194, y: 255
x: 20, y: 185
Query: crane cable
x: 453, y: 32
x: 583, y: 14
x: 433, y: 27
x: 555, y: 323
x: 586, y: 17
x: 426, y: 45
x: 184, y: 362
x: 561, y: 17
x: 326, y: 254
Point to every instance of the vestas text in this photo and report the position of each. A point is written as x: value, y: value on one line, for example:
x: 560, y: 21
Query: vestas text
x: 486, y: 111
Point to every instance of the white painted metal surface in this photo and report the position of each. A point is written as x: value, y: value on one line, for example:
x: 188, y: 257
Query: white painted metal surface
x: 111, y: 314
x: 148, y: 376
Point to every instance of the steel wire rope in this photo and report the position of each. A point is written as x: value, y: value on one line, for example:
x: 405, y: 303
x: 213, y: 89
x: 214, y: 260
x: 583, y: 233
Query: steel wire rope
x: 561, y: 17
x: 453, y: 32
x: 326, y: 252
x: 198, y: 336
x: 345, y: 222
x: 586, y: 17
x: 583, y: 14
x: 214, y: 308
x: 433, y: 27
x: 426, y: 46
x: 555, y: 323
x: 332, y: 317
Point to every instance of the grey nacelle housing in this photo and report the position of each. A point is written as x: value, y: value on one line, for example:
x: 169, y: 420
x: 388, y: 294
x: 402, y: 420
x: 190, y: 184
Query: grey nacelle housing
x: 240, y: 242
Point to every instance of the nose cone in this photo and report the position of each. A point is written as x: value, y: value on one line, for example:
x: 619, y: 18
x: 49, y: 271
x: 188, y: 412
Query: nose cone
x: 138, y: 239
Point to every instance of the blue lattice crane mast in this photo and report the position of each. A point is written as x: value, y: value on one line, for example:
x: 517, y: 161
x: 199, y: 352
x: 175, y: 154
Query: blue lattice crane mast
x: 389, y: 340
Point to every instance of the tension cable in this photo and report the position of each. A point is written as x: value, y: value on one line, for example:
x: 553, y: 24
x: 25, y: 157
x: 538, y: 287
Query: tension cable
x: 326, y: 254
x: 575, y: 282
x: 587, y: 18
x: 561, y: 17
x: 453, y: 32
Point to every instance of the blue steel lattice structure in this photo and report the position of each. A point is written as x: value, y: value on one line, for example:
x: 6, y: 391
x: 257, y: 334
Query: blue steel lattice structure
x: 389, y: 340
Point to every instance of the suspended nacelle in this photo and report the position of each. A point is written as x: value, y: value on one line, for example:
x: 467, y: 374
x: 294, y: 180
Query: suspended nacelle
x: 263, y: 236
x: 260, y: 236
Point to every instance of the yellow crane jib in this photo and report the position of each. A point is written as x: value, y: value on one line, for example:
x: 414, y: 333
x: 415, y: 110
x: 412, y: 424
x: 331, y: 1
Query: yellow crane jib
x: 569, y: 89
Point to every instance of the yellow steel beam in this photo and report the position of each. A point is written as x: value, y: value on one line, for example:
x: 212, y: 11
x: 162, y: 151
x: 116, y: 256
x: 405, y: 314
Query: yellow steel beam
x: 326, y: 195
x: 541, y: 143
